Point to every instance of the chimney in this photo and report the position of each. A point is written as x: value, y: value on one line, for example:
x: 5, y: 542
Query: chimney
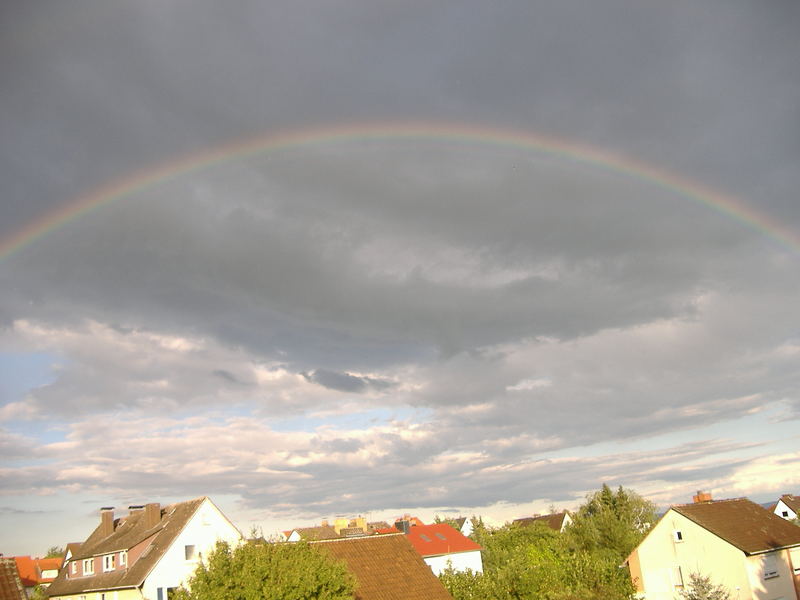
x: 403, y: 525
x: 324, y: 522
x: 135, y: 509
x: 106, y: 521
x: 701, y: 496
x: 152, y: 514
x: 339, y: 523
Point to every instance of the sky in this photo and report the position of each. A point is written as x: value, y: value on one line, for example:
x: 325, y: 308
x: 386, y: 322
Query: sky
x: 350, y: 257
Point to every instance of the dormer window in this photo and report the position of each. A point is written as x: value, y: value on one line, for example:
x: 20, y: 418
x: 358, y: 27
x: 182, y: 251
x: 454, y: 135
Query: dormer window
x: 88, y: 566
x: 73, y: 567
x: 109, y: 562
x: 123, y: 558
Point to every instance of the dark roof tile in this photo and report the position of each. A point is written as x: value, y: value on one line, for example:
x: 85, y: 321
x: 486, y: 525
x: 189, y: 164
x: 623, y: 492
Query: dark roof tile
x: 742, y: 523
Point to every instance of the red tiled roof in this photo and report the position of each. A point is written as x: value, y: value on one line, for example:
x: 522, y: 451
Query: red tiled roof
x: 10, y: 584
x: 27, y: 570
x: 438, y: 539
x: 48, y: 564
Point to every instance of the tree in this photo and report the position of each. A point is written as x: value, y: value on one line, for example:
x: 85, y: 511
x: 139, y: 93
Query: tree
x: 55, y: 552
x: 613, y: 522
x: 270, y: 571
x: 701, y: 588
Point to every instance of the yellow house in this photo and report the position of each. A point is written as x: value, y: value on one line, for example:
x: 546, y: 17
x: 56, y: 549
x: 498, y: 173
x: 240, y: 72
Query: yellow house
x: 737, y: 543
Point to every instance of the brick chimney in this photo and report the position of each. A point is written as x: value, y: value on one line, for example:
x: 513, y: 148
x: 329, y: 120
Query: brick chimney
x: 152, y: 514
x: 701, y: 496
x: 135, y: 509
x: 106, y: 521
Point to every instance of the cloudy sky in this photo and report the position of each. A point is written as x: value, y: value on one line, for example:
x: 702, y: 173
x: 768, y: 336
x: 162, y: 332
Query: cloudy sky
x: 351, y: 257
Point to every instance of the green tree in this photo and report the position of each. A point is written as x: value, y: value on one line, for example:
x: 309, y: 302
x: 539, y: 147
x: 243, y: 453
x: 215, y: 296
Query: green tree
x: 55, y: 551
x: 255, y: 571
x: 538, y: 563
x: 612, y: 522
x: 701, y: 588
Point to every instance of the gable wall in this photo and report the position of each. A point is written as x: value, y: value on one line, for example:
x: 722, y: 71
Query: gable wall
x: 204, y: 529
x: 460, y: 562
x: 656, y: 558
x: 781, y: 507
x: 781, y: 586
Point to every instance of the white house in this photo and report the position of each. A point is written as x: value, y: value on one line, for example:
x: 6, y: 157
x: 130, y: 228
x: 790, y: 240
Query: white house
x: 145, y: 554
x: 441, y: 546
x: 787, y: 507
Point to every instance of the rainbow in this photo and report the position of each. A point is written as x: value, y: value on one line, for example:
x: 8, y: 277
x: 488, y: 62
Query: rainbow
x: 454, y: 133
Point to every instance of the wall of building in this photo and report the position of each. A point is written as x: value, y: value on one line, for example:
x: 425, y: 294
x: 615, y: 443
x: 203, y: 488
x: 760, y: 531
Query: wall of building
x: 131, y: 594
x: 781, y: 508
x: 661, y: 563
x: 460, y: 562
x: 204, y: 529
x: 779, y: 586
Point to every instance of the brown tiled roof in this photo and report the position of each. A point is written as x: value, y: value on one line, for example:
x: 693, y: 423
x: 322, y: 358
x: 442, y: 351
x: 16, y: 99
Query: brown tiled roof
x: 321, y: 532
x: 792, y: 502
x: 554, y: 521
x: 10, y: 583
x: 74, y: 548
x: 128, y: 532
x: 386, y: 567
x: 742, y: 523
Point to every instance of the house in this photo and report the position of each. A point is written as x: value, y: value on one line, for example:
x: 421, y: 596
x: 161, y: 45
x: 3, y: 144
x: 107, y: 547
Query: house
x: 788, y: 507
x: 556, y: 521
x: 342, y: 528
x: 740, y: 545
x: 465, y: 526
x: 440, y: 546
x: 145, y: 554
x: 10, y: 582
x: 386, y: 567
x: 34, y: 572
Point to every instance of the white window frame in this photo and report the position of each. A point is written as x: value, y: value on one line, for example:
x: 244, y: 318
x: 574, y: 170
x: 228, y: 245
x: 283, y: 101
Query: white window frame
x: 88, y: 566
x: 677, y: 535
x: 123, y: 559
x: 73, y: 567
x: 109, y: 562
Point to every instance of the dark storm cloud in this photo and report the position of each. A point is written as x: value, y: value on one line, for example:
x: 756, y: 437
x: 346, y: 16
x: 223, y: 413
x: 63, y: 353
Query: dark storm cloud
x: 489, y: 308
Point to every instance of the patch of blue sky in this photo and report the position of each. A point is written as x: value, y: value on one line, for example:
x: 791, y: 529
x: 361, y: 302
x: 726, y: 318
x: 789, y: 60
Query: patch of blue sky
x: 21, y: 372
x: 353, y: 420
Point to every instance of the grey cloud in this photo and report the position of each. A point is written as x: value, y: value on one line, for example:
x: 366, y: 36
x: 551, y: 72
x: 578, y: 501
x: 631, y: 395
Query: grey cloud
x: 345, y: 382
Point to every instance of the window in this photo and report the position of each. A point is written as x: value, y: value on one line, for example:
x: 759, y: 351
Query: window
x: 440, y: 536
x: 785, y: 514
x: 677, y: 535
x: 73, y: 567
x: 425, y: 538
x: 123, y: 558
x: 109, y: 562
x: 189, y: 552
x: 676, y: 576
x: 770, y: 566
x: 88, y: 566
